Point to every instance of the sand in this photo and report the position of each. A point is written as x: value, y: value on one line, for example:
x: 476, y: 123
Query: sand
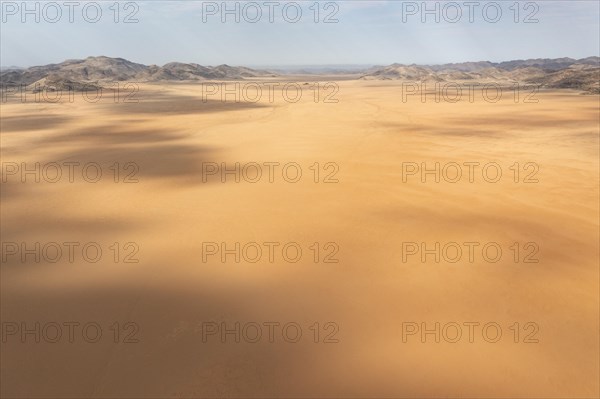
x: 366, y: 216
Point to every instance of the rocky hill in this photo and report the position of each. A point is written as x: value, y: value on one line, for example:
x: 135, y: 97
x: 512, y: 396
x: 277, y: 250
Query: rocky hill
x: 582, y: 74
x: 98, y: 70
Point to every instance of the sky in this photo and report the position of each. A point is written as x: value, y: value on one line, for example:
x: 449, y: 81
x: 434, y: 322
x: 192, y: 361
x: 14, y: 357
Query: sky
x: 284, y: 33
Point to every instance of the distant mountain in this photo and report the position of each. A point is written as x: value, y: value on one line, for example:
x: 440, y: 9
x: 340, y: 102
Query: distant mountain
x: 549, y: 64
x: 99, y: 70
x: 181, y: 71
x: 341, y: 69
x: 578, y: 76
x: 582, y: 74
x: 464, y: 66
x: 9, y: 68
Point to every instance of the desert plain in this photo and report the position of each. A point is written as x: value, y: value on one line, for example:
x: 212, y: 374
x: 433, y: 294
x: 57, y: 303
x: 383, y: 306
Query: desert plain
x: 365, y: 208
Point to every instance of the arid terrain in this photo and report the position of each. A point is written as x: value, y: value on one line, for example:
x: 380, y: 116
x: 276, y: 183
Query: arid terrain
x: 369, y: 208
x: 559, y: 73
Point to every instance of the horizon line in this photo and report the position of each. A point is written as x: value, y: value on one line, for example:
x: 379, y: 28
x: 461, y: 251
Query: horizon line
x: 301, y: 65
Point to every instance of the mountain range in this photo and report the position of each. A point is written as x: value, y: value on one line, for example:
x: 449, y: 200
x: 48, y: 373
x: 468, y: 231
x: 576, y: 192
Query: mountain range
x: 581, y: 74
x: 73, y: 74
x: 560, y: 73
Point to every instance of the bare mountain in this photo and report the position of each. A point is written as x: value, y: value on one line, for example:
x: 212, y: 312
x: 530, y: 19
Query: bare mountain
x: 177, y: 71
x: 181, y: 71
x: 402, y: 72
x: 578, y: 76
x: 464, y: 66
x: 100, y: 70
x: 92, y: 69
x: 548, y: 64
x: 583, y: 74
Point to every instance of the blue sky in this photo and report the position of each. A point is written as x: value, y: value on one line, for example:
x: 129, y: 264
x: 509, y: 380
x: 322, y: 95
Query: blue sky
x: 366, y: 32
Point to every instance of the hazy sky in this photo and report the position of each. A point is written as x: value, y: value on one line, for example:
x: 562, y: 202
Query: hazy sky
x: 366, y: 32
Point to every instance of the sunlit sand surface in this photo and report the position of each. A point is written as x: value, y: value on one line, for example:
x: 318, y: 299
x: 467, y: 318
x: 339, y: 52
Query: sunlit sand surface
x: 370, y: 134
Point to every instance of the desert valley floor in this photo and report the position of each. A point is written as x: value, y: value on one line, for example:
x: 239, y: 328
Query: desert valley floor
x: 360, y: 212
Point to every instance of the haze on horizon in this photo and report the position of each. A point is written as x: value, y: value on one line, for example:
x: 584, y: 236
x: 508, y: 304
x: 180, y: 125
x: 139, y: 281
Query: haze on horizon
x: 366, y: 33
